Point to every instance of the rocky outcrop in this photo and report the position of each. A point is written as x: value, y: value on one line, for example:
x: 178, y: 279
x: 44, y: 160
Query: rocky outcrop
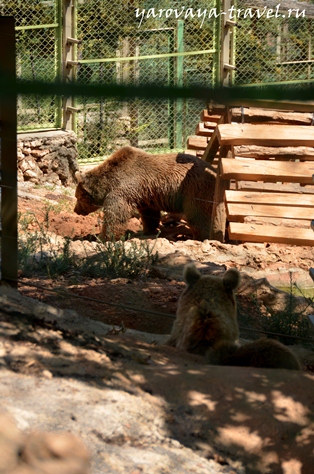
x: 47, y: 157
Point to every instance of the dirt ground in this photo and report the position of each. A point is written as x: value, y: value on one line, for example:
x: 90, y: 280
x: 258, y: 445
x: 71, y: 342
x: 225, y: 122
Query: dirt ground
x: 155, y: 291
x: 55, y: 206
x: 138, y: 405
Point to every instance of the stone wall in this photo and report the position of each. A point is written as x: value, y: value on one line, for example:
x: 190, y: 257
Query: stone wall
x: 47, y: 157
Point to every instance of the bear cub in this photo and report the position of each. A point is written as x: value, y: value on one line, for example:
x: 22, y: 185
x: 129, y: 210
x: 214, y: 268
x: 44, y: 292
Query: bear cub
x: 206, y: 324
x: 207, y: 311
x: 132, y: 180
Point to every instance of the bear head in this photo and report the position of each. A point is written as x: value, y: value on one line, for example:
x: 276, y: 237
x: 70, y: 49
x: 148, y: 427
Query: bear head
x: 85, y: 203
x: 207, y: 310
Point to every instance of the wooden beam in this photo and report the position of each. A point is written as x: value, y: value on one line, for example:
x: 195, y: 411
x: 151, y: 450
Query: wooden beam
x: 196, y: 142
x: 238, y: 211
x: 208, y: 117
x: 271, y: 199
x: 282, y: 153
x: 265, y: 135
x: 203, y: 131
x: 277, y: 221
x: 257, y: 115
x: 263, y: 233
x: 273, y: 187
x: 304, y: 106
x: 271, y: 171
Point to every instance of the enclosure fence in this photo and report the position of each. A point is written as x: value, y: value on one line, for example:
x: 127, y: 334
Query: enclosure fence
x: 98, y: 41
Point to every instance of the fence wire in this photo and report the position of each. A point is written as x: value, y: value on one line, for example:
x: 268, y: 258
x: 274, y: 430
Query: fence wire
x: 118, y: 46
x: 37, y: 43
x: 274, y: 49
x: 117, y: 35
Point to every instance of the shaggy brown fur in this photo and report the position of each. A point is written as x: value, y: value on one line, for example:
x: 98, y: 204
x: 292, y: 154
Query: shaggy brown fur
x: 207, y: 311
x: 132, y: 180
x: 263, y: 353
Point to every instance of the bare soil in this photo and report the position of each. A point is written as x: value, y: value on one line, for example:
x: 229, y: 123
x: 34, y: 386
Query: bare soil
x: 54, y: 211
x: 153, y: 296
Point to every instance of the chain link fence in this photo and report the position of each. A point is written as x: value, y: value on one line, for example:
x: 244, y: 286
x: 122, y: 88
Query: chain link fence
x: 274, y: 49
x: 168, y: 44
x: 38, y: 45
x: 124, y: 48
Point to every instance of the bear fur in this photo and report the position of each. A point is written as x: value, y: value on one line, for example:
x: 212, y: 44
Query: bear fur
x: 207, y: 311
x: 206, y: 324
x: 132, y: 180
x: 263, y: 353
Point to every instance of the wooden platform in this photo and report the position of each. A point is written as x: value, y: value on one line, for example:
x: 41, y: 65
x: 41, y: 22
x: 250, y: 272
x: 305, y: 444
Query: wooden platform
x: 265, y: 167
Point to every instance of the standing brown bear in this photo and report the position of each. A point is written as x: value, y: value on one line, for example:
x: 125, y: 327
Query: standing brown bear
x: 206, y: 324
x: 132, y: 180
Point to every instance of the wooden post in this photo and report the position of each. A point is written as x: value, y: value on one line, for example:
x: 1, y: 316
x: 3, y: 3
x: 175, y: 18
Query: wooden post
x: 8, y: 151
x: 227, y: 53
x: 69, y: 61
x: 218, y: 226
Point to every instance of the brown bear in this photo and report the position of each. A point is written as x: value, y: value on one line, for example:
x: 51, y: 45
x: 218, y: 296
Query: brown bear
x: 206, y: 324
x: 207, y: 311
x: 263, y: 353
x: 132, y: 180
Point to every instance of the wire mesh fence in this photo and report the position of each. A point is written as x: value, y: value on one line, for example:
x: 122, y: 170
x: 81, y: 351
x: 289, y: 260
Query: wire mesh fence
x: 37, y: 45
x: 124, y: 48
x: 168, y: 44
x: 274, y: 48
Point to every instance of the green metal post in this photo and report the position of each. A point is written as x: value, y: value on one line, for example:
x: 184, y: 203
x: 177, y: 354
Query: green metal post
x: 179, y: 80
x: 217, y: 79
x: 171, y: 72
x: 58, y: 52
x: 74, y: 29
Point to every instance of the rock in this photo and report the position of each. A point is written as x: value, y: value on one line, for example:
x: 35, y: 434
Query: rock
x: 40, y: 453
x: 48, y: 157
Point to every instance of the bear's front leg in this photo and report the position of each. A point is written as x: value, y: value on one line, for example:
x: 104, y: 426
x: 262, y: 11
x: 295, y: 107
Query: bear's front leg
x: 117, y: 212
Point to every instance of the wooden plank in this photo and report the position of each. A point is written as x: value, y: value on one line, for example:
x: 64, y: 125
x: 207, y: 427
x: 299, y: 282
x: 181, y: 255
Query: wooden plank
x: 274, y: 221
x: 209, y: 124
x: 274, y: 199
x: 238, y: 211
x: 282, y: 153
x: 265, y: 135
x: 206, y: 116
x: 197, y: 143
x: 190, y: 152
x: 263, y: 233
x: 304, y: 106
x: 274, y: 187
x: 255, y: 115
x: 203, y: 131
x: 271, y: 171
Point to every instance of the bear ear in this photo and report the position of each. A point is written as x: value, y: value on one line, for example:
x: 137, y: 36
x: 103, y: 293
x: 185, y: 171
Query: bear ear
x: 231, y: 279
x: 79, y: 177
x: 191, y: 274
